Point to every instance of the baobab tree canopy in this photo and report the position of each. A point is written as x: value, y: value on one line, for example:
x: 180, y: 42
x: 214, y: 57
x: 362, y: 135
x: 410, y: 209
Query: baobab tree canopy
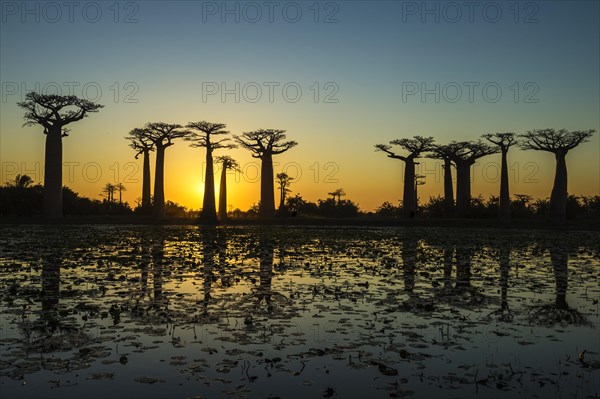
x: 464, y: 154
x: 54, y: 112
x: 202, y: 134
x: 51, y: 110
x: 264, y: 143
x: 502, y: 140
x: 555, y: 141
x: 140, y: 141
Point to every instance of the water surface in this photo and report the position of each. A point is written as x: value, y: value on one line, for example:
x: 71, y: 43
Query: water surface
x: 116, y: 311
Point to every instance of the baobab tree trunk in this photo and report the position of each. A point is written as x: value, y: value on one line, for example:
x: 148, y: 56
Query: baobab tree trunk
x: 146, y: 182
x: 53, y: 208
x: 504, y: 206
x: 209, y: 212
x: 223, y: 194
x: 463, y: 188
x: 409, y: 203
x: 159, y: 183
x: 558, y: 198
x: 448, y: 191
x: 267, y: 189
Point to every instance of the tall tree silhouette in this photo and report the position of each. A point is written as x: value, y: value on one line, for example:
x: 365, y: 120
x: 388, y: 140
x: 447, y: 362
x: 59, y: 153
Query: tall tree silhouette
x: 264, y: 143
x: 415, y: 147
x: 464, y: 154
x: 120, y: 187
x: 558, y: 142
x: 109, y: 190
x: 227, y: 163
x: 504, y: 141
x: 443, y: 152
x: 162, y: 135
x: 284, y: 182
x: 210, y: 136
x: 143, y: 145
x: 53, y: 113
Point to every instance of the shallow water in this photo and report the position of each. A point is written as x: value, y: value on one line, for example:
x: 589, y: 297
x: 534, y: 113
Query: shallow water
x: 117, y: 311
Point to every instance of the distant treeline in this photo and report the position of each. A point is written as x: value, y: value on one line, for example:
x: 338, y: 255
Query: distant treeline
x: 23, y: 198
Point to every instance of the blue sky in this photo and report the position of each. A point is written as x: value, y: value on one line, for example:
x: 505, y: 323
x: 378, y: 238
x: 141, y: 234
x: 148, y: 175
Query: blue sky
x: 368, y: 54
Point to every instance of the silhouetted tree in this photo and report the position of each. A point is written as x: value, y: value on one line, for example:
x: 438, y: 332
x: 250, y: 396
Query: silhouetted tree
x: 23, y: 181
x: 162, y: 135
x: 464, y: 154
x: 504, y: 141
x: 226, y: 163
x: 143, y: 145
x: 54, y: 112
x: 120, y: 187
x: 558, y: 142
x: 339, y: 193
x: 109, y: 191
x: 209, y: 135
x: 443, y: 152
x: 415, y: 146
x: 264, y: 143
x: 284, y: 182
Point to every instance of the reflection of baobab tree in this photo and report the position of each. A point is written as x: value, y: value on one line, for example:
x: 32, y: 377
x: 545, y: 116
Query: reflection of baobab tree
x: 264, y: 292
x: 503, y: 252
x: 158, y: 254
x: 560, y: 311
x: 209, y: 245
x: 146, y: 259
x: 409, y: 259
x: 51, y: 260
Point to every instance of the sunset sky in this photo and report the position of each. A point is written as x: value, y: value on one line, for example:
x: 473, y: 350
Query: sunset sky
x: 357, y: 63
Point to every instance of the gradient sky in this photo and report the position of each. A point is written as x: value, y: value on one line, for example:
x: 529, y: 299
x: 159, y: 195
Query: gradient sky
x: 370, y: 52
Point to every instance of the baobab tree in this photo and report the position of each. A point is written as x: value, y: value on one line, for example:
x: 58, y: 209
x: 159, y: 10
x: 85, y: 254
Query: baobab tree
x: 464, y: 154
x: 53, y: 113
x: 284, y: 182
x: 442, y: 152
x: 162, y: 135
x: 143, y: 145
x: 264, y: 143
x: 558, y: 142
x: 227, y: 163
x: 415, y: 146
x: 210, y: 136
x: 504, y: 141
